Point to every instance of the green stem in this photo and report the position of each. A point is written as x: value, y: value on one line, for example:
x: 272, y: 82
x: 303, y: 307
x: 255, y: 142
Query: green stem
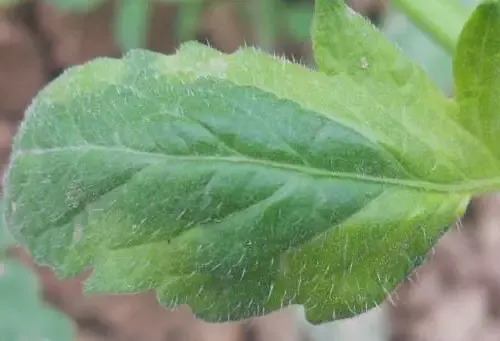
x: 265, y: 19
x: 188, y: 19
x: 442, y: 19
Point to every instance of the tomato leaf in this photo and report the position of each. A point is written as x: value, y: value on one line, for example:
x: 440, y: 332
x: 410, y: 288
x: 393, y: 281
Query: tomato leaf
x: 240, y: 183
x: 345, y: 42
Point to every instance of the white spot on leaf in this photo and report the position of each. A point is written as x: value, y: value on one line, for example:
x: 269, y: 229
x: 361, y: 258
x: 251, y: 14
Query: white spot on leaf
x: 364, y: 63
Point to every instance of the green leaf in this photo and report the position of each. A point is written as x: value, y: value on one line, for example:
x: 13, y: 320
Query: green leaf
x: 344, y: 41
x: 131, y: 23
x: 77, y: 6
x: 477, y: 75
x: 236, y: 183
x: 443, y: 20
x: 23, y: 315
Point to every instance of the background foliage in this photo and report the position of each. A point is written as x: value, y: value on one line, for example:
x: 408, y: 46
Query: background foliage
x: 270, y: 18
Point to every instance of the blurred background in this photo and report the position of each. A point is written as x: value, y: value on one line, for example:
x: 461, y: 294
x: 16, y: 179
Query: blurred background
x: 40, y: 38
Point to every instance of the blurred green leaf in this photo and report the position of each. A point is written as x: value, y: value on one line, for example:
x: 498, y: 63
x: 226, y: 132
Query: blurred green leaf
x: 131, y: 23
x: 299, y: 19
x: 266, y: 19
x: 182, y: 1
x: 188, y: 19
x: 23, y: 315
x: 77, y: 6
x: 7, y: 3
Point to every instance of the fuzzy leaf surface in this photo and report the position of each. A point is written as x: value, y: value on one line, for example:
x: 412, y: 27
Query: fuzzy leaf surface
x: 344, y: 41
x: 477, y: 74
x: 236, y: 183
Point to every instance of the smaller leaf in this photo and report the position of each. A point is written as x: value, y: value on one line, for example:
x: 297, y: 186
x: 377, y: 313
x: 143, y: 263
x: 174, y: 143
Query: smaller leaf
x: 131, y: 23
x: 345, y: 42
x: 23, y: 316
x: 477, y: 74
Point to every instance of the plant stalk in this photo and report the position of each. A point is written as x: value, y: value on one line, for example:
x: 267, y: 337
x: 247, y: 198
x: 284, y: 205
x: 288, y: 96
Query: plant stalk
x: 443, y: 20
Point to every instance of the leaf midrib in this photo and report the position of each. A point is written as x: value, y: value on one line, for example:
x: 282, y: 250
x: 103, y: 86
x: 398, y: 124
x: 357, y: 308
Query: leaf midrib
x: 472, y: 186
